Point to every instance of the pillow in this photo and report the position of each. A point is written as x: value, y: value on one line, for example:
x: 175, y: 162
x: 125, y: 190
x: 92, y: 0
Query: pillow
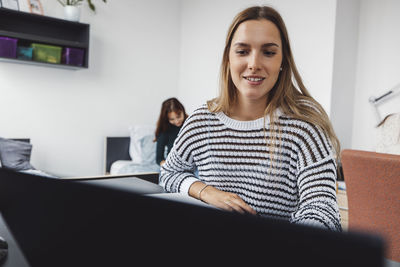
x: 142, y: 149
x: 15, y: 155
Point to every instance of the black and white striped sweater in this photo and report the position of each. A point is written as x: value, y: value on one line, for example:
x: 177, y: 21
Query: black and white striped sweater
x: 234, y: 156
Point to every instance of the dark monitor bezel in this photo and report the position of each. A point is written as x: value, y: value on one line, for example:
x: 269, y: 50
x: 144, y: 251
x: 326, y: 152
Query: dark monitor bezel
x: 69, y: 223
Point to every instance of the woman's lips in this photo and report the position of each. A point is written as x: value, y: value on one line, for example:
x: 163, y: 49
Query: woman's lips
x: 254, y: 80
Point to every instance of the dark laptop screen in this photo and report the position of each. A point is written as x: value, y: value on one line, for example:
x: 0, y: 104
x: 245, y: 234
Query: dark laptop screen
x: 69, y: 223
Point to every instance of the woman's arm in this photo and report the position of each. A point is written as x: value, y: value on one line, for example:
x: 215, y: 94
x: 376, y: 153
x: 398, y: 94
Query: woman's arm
x: 316, y: 181
x: 220, y: 199
x: 177, y: 176
x: 317, y: 192
x: 160, y: 148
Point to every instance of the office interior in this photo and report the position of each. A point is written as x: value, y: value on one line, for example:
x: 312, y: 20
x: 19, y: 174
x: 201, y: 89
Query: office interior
x: 141, y: 52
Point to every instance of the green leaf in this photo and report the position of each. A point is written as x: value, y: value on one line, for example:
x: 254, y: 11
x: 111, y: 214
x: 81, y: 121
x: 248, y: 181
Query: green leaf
x: 62, y: 3
x: 92, y: 7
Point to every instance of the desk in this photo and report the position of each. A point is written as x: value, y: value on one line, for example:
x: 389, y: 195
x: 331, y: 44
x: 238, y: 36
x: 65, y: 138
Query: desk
x: 15, y: 257
x: 181, y: 198
x: 129, y: 184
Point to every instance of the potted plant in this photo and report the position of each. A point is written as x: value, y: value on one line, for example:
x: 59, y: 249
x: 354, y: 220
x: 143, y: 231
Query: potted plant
x: 71, y: 8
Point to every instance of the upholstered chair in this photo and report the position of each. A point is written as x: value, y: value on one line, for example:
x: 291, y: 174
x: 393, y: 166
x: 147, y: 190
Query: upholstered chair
x: 373, y: 193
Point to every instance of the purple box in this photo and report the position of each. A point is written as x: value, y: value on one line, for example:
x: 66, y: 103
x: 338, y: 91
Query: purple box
x: 8, y: 47
x: 73, y: 56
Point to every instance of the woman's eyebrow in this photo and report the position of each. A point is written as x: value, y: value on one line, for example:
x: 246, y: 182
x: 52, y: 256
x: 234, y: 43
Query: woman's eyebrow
x: 241, y: 44
x: 263, y: 46
x: 270, y: 44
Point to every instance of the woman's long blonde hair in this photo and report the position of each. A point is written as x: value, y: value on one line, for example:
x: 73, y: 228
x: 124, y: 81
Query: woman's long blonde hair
x: 289, y: 93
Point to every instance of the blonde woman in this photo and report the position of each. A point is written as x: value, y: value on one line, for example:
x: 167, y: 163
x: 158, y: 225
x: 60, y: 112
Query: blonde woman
x: 264, y: 146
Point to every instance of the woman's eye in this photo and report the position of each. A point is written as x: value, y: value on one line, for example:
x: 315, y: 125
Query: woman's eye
x: 241, y: 52
x: 269, y: 53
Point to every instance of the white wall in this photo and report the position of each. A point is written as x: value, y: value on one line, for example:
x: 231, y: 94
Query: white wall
x: 344, y: 69
x: 134, y: 58
x: 311, y: 26
x: 377, y: 67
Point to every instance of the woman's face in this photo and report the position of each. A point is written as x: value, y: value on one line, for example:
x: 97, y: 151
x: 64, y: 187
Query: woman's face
x: 255, y: 58
x: 176, y: 118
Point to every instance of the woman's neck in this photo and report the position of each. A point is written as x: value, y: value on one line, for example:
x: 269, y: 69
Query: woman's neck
x: 248, y: 110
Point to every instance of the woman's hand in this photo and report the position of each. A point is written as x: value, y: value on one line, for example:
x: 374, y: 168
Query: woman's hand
x: 220, y: 199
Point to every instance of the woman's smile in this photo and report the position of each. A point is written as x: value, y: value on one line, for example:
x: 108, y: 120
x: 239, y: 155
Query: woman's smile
x: 254, y: 80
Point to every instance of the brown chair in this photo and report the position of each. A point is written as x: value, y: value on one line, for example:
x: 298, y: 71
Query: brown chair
x: 373, y: 193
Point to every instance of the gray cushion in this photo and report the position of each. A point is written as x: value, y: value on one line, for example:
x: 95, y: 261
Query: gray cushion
x: 15, y: 155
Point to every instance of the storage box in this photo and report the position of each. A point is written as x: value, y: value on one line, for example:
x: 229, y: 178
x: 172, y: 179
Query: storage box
x: 8, y: 47
x: 73, y: 56
x: 46, y: 53
x: 24, y: 52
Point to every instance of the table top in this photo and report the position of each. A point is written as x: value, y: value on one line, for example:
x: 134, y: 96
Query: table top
x: 15, y: 257
x: 181, y: 198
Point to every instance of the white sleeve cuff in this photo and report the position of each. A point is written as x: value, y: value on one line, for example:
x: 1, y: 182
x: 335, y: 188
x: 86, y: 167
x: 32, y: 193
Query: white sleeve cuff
x: 186, y: 185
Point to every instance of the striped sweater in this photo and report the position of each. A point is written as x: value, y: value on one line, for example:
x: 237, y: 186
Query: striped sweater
x: 235, y: 156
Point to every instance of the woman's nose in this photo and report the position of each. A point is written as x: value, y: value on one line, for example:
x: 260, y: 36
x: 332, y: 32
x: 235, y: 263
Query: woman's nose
x: 254, y: 62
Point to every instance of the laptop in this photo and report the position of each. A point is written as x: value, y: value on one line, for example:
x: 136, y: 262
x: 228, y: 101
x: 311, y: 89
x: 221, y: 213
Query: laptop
x: 60, y: 223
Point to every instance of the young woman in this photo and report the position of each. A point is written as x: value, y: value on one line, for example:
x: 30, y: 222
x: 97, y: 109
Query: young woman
x: 169, y: 123
x: 264, y: 146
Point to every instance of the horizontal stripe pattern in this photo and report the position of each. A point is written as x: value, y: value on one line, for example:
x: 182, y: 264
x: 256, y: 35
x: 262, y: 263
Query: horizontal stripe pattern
x: 289, y: 177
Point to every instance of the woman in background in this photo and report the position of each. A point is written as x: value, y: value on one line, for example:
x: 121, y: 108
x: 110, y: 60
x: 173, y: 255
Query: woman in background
x: 264, y: 146
x: 169, y: 123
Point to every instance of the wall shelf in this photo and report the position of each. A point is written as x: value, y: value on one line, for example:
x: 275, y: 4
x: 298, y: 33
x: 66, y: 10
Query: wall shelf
x: 43, y: 64
x: 33, y: 28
